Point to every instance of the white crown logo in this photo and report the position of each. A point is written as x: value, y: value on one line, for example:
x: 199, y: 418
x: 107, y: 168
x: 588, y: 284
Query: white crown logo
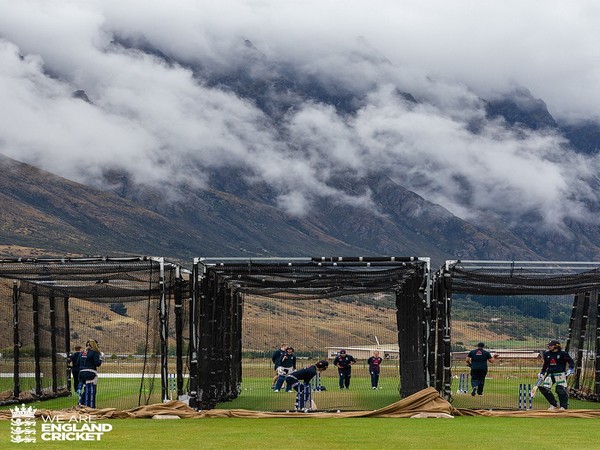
x: 23, y: 412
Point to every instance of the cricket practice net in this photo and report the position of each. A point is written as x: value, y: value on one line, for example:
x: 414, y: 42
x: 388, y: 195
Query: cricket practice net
x: 516, y: 308
x: 248, y: 307
x: 133, y: 307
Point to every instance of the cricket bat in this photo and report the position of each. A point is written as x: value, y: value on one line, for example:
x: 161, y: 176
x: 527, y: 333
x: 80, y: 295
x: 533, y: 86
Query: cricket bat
x: 313, y: 405
x: 535, y: 388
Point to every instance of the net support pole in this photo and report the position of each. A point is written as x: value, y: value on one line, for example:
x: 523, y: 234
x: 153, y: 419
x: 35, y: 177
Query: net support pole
x: 178, y: 330
x: 446, y: 337
x: 411, y: 334
x: 36, y: 342
x: 227, y: 317
x: 164, y: 348
x: 432, y: 318
x: 597, y: 365
x: 207, y: 342
x: 440, y: 311
x: 237, y: 338
x: 581, y: 340
x: 429, y: 324
x: 67, y: 341
x: 52, y: 301
x: 193, y: 346
x: 16, y: 340
x: 574, y: 309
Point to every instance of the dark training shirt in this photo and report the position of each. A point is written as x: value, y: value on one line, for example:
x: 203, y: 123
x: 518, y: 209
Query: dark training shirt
x: 479, y: 358
x: 305, y: 374
x: 374, y: 363
x: 343, y: 362
x: 556, y: 362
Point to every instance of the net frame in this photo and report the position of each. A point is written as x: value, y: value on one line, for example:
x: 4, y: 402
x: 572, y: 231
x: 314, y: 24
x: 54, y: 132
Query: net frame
x: 98, y: 280
x: 218, y: 287
x: 514, y: 278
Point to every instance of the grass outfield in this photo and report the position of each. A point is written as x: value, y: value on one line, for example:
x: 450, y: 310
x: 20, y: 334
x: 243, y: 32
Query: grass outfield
x: 355, y: 433
x: 501, y: 392
x: 119, y: 393
x: 257, y: 396
x: 359, y: 433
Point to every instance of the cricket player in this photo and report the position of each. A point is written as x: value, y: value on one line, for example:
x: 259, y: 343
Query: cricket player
x: 300, y: 382
x: 478, y: 360
x: 554, y: 371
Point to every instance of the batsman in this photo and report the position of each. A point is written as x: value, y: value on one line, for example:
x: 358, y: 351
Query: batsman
x: 554, y: 371
x: 300, y: 382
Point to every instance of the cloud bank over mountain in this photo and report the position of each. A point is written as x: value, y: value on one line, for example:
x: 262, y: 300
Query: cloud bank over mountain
x: 156, y: 115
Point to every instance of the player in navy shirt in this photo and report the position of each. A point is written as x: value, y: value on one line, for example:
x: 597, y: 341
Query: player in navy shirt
x: 300, y: 382
x: 554, y: 371
x: 285, y: 366
x: 89, y: 361
x: 306, y: 374
x: 374, y: 368
x: 344, y: 362
x: 478, y: 360
x: 277, y: 354
x: 73, y: 361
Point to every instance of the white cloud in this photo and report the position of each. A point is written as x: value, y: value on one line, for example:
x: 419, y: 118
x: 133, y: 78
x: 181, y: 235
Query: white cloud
x: 154, y: 118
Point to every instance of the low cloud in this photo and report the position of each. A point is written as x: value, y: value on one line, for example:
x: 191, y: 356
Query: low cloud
x: 156, y: 117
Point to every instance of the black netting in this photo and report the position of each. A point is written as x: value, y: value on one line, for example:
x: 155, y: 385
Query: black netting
x: 582, y: 344
x: 97, y: 280
x: 126, y: 304
x: 516, y: 308
x: 312, y: 281
x: 247, y: 308
x: 519, y: 281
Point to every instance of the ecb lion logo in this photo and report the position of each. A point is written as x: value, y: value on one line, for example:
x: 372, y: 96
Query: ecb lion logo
x: 22, y: 424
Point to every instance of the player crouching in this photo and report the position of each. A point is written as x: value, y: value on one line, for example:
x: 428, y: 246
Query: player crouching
x: 300, y: 382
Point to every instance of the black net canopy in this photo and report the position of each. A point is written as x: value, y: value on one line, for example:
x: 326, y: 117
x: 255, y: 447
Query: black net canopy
x: 131, y: 306
x: 95, y: 279
x: 519, y: 306
x: 515, y: 278
x: 240, y: 301
x: 315, y: 279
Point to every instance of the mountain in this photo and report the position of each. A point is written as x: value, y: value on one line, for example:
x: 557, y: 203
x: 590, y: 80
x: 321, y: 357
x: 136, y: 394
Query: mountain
x: 41, y: 210
x: 237, y: 215
x: 57, y: 216
x: 44, y: 211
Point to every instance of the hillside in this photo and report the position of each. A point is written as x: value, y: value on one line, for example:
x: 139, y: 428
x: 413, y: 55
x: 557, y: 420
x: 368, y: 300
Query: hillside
x: 57, y: 217
x: 307, y: 328
x: 117, y: 334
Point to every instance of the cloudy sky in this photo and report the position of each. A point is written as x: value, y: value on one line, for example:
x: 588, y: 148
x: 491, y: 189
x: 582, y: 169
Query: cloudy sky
x: 147, y: 116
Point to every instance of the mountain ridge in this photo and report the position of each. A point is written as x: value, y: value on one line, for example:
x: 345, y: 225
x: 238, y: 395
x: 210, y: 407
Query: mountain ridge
x: 236, y: 215
x: 65, y: 217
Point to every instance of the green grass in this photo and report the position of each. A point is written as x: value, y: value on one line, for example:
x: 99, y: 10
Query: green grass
x: 501, y: 391
x: 257, y: 395
x: 359, y: 433
x: 120, y: 393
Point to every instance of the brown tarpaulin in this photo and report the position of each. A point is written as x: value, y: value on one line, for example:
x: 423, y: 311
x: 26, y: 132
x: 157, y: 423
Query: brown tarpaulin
x: 425, y: 403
